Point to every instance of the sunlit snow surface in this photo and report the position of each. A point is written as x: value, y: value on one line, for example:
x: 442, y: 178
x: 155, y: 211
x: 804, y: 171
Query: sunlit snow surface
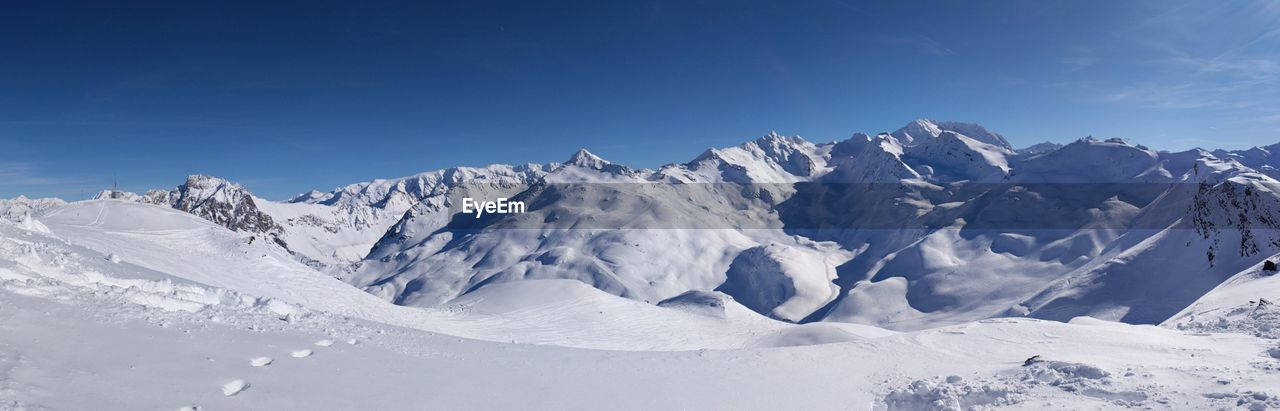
x: 117, y: 305
x: 946, y: 253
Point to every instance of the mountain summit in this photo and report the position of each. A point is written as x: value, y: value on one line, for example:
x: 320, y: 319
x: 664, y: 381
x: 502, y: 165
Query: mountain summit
x: 584, y: 158
x: 923, y: 129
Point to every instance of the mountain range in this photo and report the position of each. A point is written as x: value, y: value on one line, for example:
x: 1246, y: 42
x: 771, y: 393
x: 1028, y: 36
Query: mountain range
x: 936, y: 267
x: 936, y: 223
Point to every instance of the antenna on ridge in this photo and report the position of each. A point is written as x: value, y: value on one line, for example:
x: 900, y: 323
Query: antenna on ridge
x: 115, y: 187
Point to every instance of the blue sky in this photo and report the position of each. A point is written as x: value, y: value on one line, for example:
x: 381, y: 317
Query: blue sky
x: 286, y: 97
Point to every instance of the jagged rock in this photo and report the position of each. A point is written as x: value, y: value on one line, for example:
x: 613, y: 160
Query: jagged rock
x: 222, y: 202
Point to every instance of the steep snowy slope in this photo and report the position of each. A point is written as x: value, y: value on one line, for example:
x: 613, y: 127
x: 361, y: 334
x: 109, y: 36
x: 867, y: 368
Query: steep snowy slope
x: 955, y: 157
x: 1228, y: 223
x: 977, y: 250
x: 1245, y: 303
x: 866, y: 159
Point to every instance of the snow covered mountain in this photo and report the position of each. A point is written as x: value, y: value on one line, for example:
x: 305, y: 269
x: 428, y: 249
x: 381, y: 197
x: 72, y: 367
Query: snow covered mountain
x: 922, y: 130
x: 931, y: 257
x: 145, y: 306
x: 940, y: 229
x: 326, y: 230
x: 220, y: 201
x: 936, y: 223
x: 22, y: 208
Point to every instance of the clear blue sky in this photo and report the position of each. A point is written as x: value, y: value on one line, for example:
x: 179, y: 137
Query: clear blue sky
x: 290, y: 96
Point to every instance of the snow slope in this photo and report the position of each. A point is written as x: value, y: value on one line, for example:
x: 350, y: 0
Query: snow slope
x: 128, y: 244
x: 119, y: 356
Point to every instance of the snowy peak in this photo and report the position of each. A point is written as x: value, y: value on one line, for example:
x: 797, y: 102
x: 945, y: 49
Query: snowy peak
x: 314, y: 196
x: 1089, y: 160
x: 220, y: 201
x: 398, y: 195
x: 1041, y: 148
x: 793, y: 154
x: 21, y: 207
x: 976, y: 132
x: 866, y: 159
x: 951, y: 157
x: 773, y: 158
x: 1263, y: 159
x: 923, y: 129
x: 583, y: 166
x: 917, y: 130
x: 584, y: 158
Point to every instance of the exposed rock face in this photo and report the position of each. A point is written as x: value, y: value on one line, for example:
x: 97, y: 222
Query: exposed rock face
x: 1238, y: 206
x: 217, y: 200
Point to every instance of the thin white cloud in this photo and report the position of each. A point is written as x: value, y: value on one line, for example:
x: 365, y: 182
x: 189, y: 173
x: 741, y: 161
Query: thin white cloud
x: 1079, y: 58
x: 24, y: 174
x: 920, y: 43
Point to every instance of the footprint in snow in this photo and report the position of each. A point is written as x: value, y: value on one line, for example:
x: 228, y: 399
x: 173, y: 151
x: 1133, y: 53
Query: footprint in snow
x: 324, y: 343
x: 300, y: 354
x: 260, y: 361
x: 234, y: 387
